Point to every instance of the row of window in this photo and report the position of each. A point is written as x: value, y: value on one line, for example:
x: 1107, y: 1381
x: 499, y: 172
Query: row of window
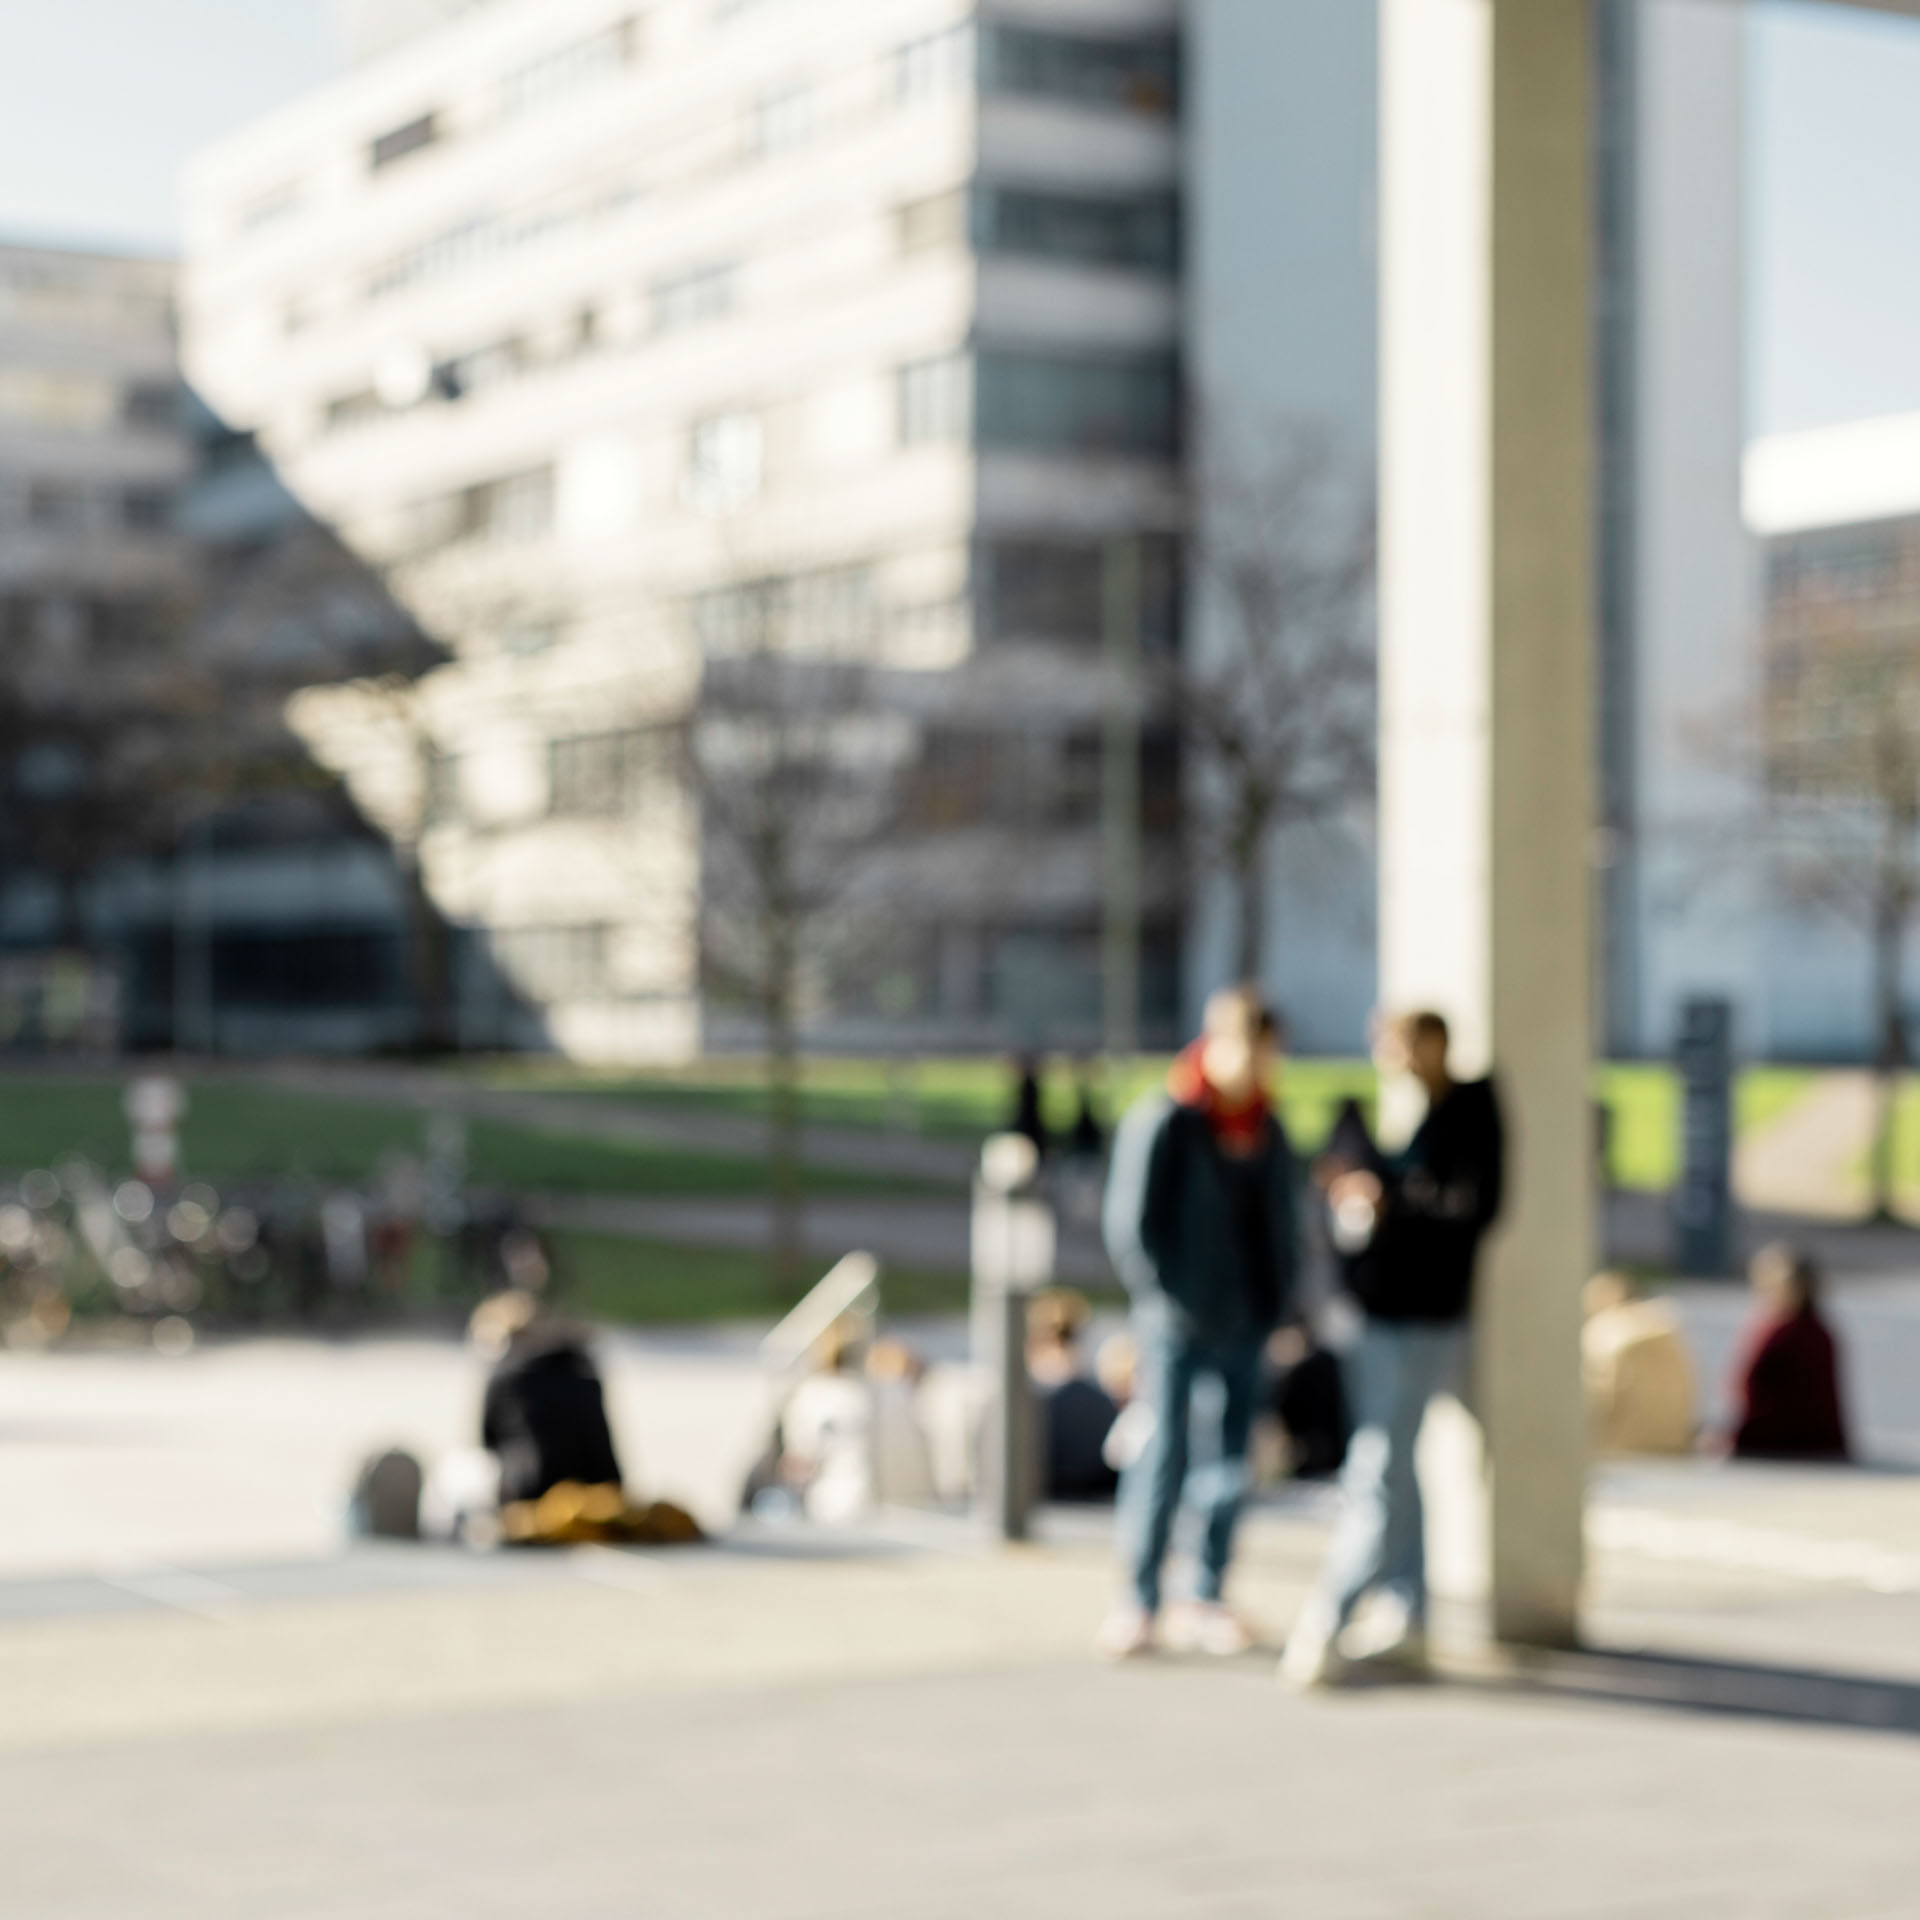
x: 86, y: 402
x: 1136, y: 232
x: 1034, y: 778
x: 81, y: 507
x: 1044, y: 402
x: 1138, y: 74
x: 77, y: 624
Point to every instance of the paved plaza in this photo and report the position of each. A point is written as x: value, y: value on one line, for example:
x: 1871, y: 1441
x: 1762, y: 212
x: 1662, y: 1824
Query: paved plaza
x: 215, y: 1708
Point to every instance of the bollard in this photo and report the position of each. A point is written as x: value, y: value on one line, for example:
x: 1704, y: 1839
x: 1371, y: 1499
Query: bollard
x: 1013, y: 1251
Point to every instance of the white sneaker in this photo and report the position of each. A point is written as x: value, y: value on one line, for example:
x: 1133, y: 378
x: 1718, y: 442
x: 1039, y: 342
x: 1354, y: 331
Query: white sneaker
x: 1127, y: 1633
x: 1312, y: 1657
x: 1404, y: 1651
x: 1385, y: 1635
x: 1208, y: 1626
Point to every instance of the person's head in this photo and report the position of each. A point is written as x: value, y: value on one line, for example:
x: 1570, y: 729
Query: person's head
x: 1239, y: 1037
x: 525, y: 1261
x: 1414, y: 1043
x: 1056, y: 1318
x: 891, y: 1361
x: 501, y: 1319
x: 1784, y: 1277
x: 837, y: 1350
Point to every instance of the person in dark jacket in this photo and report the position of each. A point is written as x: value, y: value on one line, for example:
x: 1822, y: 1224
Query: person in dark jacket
x: 1787, y: 1379
x: 1409, y: 1227
x: 545, y: 1415
x: 1200, y: 1224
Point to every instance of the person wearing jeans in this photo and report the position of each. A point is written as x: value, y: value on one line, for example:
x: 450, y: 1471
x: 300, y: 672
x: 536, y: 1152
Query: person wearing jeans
x: 1200, y: 1224
x: 1410, y: 1227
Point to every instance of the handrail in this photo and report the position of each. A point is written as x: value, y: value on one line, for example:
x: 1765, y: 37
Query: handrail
x: 851, y: 1285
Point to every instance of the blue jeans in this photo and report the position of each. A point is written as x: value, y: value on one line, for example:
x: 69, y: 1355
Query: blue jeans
x: 1151, y: 1489
x: 1379, y: 1540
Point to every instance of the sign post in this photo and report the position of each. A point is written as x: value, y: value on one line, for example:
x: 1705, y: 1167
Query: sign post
x: 1703, y: 1202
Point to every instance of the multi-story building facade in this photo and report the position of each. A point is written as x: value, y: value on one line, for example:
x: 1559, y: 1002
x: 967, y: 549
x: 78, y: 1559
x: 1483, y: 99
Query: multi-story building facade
x: 1837, y: 512
x: 608, y: 333
x: 160, y: 594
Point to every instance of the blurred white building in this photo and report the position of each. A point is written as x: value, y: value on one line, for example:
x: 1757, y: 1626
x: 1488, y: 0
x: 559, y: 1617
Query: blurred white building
x: 1837, y: 511
x: 604, y: 330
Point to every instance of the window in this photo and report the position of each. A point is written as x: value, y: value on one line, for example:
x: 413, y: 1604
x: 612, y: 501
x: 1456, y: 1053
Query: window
x: 692, y: 299
x: 783, y: 121
x: 934, y: 223
x: 1052, y: 592
x: 519, y: 507
x: 826, y: 612
x: 933, y: 67
x: 353, y: 410
x: 269, y: 208
x: 555, y: 963
x: 1059, y: 403
x: 524, y: 636
x: 440, y: 802
x: 151, y: 403
x: 43, y: 398
x: 507, y: 511
x: 483, y: 367
x: 1139, y: 231
x: 59, y: 506
x: 1133, y: 75
x: 934, y: 400
x: 724, y: 459
x: 414, y: 137
x: 146, y: 509
x: 600, y: 775
x: 567, y: 69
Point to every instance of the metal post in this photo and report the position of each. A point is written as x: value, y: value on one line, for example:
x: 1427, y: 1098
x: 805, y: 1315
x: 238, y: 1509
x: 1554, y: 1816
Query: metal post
x: 1120, y: 797
x: 1013, y: 1249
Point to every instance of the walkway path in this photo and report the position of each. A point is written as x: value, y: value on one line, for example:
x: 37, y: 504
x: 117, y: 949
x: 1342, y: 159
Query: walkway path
x: 1811, y: 1160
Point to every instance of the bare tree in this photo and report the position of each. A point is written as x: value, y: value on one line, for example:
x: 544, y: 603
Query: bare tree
x: 1274, y: 697
x: 792, y: 761
x: 1836, y: 737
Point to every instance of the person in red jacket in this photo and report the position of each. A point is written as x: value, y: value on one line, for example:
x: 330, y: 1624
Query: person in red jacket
x: 1787, y: 1382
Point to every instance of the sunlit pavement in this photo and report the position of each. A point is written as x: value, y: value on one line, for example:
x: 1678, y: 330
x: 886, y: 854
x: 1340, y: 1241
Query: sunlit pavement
x: 212, y: 1709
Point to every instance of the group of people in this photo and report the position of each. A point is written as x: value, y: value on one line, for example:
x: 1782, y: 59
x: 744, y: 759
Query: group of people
x: 1201, y: 1220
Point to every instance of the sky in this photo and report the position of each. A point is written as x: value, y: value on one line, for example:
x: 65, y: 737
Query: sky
x: 102, y: 100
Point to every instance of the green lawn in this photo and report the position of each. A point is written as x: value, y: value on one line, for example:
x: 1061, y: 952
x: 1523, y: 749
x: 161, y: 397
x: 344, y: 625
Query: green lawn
x: 642, y: 1282
x: 960, y: 1099
x: 237, y: 1132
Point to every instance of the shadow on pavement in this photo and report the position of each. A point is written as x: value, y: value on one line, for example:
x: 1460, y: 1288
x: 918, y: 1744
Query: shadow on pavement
x: 1693, y: 1684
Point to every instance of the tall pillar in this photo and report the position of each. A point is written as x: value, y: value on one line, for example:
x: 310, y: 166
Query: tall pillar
x: 1487, y: 701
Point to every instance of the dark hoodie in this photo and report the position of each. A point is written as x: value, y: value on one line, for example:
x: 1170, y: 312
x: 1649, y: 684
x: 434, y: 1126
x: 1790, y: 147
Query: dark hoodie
x: 1199, y: 1213
x: 1441, y: 1195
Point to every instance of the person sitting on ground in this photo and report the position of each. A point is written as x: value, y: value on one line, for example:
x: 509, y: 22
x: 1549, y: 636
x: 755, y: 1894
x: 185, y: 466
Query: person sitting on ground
x: 545, y: 1414
x: 902, y: 1455
x: 1787, y: 1379
x: 1641, y: 1396
x: 826, y: 1432
x: 1076, y: 1414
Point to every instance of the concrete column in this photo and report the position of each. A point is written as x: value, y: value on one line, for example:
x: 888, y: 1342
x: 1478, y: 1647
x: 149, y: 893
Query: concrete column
x: 1487, y: 703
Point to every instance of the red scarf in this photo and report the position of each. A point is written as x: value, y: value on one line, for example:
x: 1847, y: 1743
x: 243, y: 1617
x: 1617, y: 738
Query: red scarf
x: 1238, y: 1127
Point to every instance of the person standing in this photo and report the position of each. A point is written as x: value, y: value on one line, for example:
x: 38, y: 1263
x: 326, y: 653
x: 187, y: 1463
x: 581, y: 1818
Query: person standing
x: 1410, y: 1227
x: 1199, y: 1221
